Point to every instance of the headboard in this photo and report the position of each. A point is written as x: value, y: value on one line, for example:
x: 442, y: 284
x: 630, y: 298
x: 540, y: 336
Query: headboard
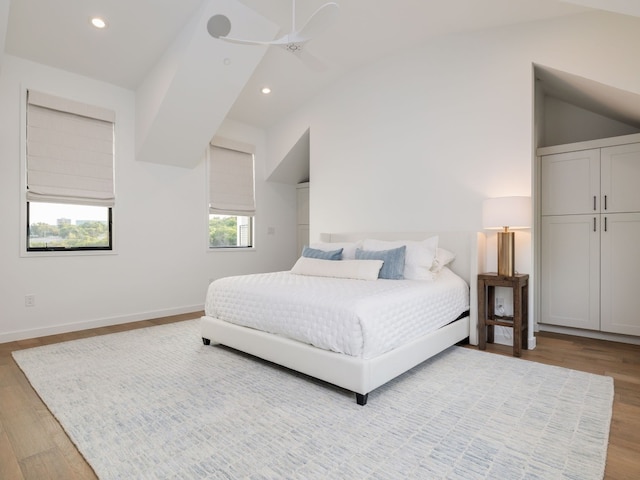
x: 468, y: 247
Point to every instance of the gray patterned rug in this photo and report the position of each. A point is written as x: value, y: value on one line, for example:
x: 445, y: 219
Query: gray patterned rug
x: 156, y: 403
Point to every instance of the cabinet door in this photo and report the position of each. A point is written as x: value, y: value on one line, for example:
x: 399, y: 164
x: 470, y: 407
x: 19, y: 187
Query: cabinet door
x: 620, y: 268
x: 619, y: 178
x: 570, y: 183
x: 570, y: 271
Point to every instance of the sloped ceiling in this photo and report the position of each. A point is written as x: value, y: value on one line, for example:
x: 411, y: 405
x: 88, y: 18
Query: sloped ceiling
x: 184, y: 89
x: 596, y: 97
x: 294, y: 167
x: 58, y: 33
x: 365, y: 32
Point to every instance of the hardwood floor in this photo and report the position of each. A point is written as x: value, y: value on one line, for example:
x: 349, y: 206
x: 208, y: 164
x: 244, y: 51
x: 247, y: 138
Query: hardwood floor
x: 618, y: 360
x: 33, y: 446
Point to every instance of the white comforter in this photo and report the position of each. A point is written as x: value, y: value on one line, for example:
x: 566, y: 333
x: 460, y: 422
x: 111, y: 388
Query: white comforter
x: 355, y: 317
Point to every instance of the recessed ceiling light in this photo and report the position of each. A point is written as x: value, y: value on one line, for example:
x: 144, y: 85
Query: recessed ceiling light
x: 266, y: 90
x: 98, y: 22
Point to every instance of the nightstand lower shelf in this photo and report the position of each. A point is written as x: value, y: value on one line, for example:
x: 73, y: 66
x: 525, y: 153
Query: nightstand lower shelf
x: 487, y: 318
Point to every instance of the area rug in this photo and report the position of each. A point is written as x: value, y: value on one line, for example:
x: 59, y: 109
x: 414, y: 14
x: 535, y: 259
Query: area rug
x: 156, y: 403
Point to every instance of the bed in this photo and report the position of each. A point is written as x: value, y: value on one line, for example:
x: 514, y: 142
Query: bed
x: 350, y: 349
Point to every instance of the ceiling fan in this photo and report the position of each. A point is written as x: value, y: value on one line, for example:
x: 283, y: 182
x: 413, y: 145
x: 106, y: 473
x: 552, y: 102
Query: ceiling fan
x: 219, y: 27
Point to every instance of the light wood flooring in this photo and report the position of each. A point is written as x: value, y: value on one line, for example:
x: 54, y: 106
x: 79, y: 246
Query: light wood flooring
x: 33, y: 446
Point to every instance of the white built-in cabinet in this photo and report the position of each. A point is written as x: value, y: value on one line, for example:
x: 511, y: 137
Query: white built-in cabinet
x: 590, y: 235
x: 302, y: 190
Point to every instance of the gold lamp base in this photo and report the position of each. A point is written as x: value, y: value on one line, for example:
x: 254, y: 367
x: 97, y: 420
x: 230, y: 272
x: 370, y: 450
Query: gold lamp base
x: 506, y: 249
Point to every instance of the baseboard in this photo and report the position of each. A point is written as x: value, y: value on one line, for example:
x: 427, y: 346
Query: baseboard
x: 531, y: 343
x: 577, y: 332
x: 97, y: 323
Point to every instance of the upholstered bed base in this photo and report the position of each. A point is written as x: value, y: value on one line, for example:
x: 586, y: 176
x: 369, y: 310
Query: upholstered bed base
x: 358, y: 375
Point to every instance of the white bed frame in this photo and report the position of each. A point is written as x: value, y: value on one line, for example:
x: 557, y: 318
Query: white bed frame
x: 356, y: 374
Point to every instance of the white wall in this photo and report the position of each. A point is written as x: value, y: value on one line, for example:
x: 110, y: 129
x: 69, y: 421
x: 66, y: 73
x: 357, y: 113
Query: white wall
x: 418, y: 140
x: 162, y: 265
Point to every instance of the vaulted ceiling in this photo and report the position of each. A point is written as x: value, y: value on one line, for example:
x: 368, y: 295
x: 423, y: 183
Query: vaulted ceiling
x: 153, y: 46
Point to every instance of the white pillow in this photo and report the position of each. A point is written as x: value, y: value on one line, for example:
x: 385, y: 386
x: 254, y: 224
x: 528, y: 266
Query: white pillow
x: 348, y: 248
x: 356, y: 269
x: 419, y: 257
x: 443, y: 258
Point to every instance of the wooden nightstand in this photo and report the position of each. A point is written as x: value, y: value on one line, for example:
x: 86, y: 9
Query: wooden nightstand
x: 487, y: 318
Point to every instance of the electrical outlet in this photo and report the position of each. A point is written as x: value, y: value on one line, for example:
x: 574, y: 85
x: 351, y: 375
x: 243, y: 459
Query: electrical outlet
x: 500, y: 306
x: 30, y: 300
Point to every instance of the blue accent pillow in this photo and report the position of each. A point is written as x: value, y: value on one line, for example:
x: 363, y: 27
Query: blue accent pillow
x: 393, y: 266
x: 322, y: 254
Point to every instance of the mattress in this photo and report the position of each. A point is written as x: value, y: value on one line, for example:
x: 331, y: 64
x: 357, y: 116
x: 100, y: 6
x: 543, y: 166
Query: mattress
x: 355, y: 317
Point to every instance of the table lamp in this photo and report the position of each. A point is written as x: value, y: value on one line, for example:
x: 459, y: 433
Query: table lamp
x: 504, y: 213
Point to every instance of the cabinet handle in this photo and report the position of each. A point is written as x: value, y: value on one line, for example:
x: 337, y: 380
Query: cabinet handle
x: 594, y: 224
x: 594, y: 203
x: 605, y: 202
x: 605, y: 224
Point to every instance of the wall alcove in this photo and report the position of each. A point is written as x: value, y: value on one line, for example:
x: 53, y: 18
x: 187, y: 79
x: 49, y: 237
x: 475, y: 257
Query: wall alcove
x: 573, y: 113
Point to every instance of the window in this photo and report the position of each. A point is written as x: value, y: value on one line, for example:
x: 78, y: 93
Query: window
x: 70, y: 162
x: 231, y: 195
x: 230, y: 231
x: 54, y: 226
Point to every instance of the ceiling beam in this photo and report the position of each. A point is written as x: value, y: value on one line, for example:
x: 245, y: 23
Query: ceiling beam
x: 185, y: 98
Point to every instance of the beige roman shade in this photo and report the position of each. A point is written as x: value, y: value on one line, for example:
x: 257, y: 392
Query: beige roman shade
x: 70, y: 151
x: 231, y: 182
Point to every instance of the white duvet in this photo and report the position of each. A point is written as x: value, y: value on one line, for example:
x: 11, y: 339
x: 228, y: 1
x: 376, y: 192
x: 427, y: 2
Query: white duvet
x: 355, y: 317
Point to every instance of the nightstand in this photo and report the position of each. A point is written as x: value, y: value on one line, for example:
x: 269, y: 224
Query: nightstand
x: 487, y: 317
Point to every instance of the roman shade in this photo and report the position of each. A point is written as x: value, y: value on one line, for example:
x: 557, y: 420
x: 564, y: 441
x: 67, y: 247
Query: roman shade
x: 231, y: 182
x: 70, y: 151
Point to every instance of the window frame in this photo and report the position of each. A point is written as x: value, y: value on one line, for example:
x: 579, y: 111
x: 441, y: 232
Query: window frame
x: 251, y: 218
x: 244, y: 148
x: 24, y: 252
x: 108, y: 248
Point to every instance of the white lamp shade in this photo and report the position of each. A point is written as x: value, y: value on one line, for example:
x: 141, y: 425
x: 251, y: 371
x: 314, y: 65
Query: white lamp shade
x: 510, y: 212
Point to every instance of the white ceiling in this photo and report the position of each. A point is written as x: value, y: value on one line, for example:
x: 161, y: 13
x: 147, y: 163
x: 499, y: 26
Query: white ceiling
x: 58, y: 33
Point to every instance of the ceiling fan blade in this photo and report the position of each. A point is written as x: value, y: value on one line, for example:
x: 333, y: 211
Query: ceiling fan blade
x: 289, y: 42
x: 287, y: 39
x: 321, y: 19
x: 219, y: 27
x: 241, y: 41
